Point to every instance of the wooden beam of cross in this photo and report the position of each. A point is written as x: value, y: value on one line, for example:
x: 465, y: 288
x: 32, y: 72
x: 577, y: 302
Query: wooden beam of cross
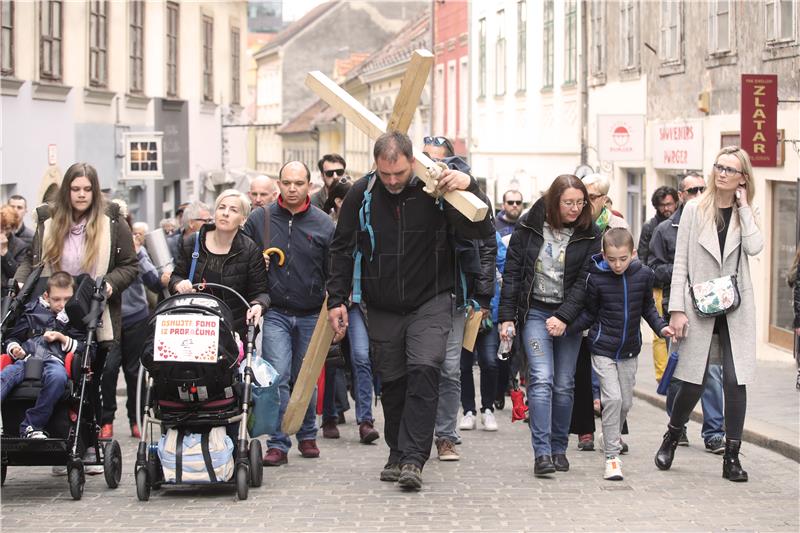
x: 402, y: 114
x: 465, y: 202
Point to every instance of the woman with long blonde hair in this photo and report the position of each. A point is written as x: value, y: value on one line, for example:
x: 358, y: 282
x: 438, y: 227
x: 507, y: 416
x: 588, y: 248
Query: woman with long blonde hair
x: 717, y: 234
x: 80, y: 234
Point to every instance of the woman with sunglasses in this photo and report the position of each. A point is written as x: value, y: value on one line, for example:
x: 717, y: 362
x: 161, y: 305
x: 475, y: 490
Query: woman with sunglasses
x: 718, y: 232
x: 543, y: 291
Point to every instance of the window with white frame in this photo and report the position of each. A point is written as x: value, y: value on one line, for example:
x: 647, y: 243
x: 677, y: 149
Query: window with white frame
x: 208, y: 58
x: 235, y: 66
x: 463, y: 97
x: 780, y: 20
x: 598, y: 51
x: 136, y: 34
x: 547, y: 41
x: 522, y: 46
x: 719, y: 26
x: 7, y: 37
x: 439, y: 100
x: 671, y: 36
x: 629, y: 30
x: 98, y: 43
x: 500, y: 55
x: 570, y: 42
x: 452, y: 99
x: 482, y: 58
x: 173, y: 14
x: 50, y: 26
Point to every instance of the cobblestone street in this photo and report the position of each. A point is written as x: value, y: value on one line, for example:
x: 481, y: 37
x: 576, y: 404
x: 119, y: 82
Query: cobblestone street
x: 492, y: 488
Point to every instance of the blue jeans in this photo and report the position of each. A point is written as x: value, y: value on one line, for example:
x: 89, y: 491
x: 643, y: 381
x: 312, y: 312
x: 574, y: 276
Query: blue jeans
x: 284, y: 342
x: 450, y: 381
x: 711, y: 402
x: 54, y: 379
x: 551, y: 383
x: 486, y: 346
x: 362, y: 368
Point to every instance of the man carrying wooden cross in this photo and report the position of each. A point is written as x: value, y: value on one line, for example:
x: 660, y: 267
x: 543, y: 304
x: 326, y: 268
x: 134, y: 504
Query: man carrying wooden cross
x: 403, y: 274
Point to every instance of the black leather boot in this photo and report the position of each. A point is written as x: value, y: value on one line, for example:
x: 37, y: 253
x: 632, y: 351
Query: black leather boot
x: 731, y: 468
x: 666, y: 452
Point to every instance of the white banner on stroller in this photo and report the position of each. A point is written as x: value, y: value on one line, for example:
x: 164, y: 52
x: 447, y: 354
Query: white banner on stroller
x: 186, y: 338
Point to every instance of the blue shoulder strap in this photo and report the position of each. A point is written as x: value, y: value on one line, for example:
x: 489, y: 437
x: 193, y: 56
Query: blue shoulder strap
x: 195, y: 255
x: 364, y: 217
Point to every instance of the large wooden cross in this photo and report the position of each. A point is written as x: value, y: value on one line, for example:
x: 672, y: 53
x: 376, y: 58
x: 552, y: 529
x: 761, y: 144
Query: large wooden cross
x: 465, y: 202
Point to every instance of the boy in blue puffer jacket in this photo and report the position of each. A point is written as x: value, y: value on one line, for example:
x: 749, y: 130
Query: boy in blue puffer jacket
x: 43, y: 333
x: 619, y: 292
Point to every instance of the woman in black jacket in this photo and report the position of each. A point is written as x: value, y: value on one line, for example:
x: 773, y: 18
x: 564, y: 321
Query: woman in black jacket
x: 543, y: 290
x: 227, y: 257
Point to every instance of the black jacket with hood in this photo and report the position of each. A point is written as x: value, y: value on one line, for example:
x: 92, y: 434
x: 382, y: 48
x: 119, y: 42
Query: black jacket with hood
x: 615, y: 305
x: 516, y: 295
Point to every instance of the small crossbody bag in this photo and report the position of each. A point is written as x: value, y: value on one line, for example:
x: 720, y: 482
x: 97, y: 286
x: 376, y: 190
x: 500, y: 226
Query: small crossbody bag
x: 718, y: 296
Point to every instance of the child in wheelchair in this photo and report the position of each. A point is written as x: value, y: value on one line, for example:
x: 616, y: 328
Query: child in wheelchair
x: 44, y: 333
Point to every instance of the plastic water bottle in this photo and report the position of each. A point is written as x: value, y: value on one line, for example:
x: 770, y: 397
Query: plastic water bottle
x: 504, y: 350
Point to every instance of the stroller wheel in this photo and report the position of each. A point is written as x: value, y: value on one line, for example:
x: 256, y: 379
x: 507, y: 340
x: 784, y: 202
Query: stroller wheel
x: 76, y: 482
x: 256, y: 463
x: 112, y: 464
x: 242, y: 479
x: 142, y: 485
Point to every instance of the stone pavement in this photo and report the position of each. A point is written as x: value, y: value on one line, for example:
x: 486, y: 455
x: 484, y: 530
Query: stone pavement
x: 773, y: 403
x: 492, y: 488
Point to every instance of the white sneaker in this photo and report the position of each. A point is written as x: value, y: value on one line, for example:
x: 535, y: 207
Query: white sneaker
x: 488, y: 421
x: 59, y: 470
x: 468, y: 421
x: 31, y: 433
x: 91, y: 470
x: 613, y: 469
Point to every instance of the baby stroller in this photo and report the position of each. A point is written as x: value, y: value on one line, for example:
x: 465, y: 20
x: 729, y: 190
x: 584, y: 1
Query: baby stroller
x: 190, y: 398
x: 72, y: 427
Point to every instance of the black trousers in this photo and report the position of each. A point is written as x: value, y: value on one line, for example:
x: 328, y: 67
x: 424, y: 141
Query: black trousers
x: 735, y: 395
x: 126, y: 354
x: 407, y: 353
x: 583, y: 405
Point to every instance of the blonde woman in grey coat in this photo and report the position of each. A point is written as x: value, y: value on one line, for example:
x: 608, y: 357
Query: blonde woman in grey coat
x: 717, y: 234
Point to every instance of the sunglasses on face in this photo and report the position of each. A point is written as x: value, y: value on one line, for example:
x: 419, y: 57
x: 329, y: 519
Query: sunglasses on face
x: 695, y: 190
x: 514, y: 202
x: 436, y: 141
x: 336, y: 171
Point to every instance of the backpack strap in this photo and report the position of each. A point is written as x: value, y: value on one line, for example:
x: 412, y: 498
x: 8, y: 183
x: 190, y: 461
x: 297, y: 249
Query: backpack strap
x: 364, y: 218
x: 179, y: 457
x: 195, y: 256
x: 207, y: 456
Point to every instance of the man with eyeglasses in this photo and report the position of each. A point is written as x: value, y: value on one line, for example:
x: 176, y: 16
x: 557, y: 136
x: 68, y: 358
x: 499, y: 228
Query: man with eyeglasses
x: 660, y: 259
x: 508, y: 216
x: 331, y: 168
x: 193, y: 217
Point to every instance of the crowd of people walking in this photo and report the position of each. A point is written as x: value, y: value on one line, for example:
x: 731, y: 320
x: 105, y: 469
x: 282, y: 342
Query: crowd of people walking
x: 556, y: 293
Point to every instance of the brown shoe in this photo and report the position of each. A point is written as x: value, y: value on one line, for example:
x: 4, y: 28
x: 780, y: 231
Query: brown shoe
x: 308, y: 448
x: 367, y: 432
x: 447, y: 450
x: 329, y: 430
x: 275, y: 457
x: 135, y: 433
